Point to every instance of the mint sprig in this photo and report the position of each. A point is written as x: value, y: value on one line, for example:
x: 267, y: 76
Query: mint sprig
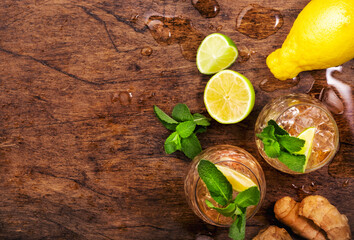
x: 219, y: 187
x: 185, y: 127
x: 220, y: 190
x: 279, y: 144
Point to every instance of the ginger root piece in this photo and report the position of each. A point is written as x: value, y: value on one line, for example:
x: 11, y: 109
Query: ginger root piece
x: 326, y: 216
x: 286, y: 210
x: 273, y: 233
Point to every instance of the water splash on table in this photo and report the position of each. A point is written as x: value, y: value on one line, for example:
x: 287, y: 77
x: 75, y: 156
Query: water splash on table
x: 270, y: 84
x: 258, y: 22
x: 146, y: 51
x: 176, y: 30
x: 207, y: 8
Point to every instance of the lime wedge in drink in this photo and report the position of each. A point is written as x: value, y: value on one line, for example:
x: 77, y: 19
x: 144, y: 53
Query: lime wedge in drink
x: 229, y: 97
x: 238, y: 181
x: 215, y: 53
x: 306, y: 150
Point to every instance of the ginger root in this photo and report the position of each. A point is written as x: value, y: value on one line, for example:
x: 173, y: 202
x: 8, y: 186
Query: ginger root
x: 287, y: 211
x: 314, y: 218
x: 326, y: 216
x: 273, y: 233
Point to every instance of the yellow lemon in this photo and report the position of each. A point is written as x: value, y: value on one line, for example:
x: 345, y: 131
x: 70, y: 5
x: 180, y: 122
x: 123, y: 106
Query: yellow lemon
x: 322, y: 36
x: 238, y: 181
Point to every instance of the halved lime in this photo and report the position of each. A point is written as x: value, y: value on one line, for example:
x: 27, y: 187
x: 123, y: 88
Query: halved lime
x: 307, y: 135
x: 238, y: 181
x: 229, y: 97
x: 215, y: 53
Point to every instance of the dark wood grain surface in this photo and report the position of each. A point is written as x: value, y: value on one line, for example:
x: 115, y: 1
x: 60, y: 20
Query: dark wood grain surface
x: 81, y: 152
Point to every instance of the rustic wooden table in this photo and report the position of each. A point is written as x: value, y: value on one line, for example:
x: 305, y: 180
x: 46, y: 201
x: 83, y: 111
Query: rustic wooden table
x: 81, y: 152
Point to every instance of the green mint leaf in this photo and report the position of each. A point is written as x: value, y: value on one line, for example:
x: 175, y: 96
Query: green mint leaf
x: 267, y: 133
x: 271, y: 146
x: 191, y: 146
x: 166, y: 120
x: 240, y: 211
x: 277, y: 128
x: 185, y: 129
x: 169, y: 126
x: 173, y: 143
x: 200, y: 129
x: 238, y: 227
x: 271, y: 149
x: 200, y: 120
x: 291, y: 144
x: 248, y: 197
x: 228, y: 211
x: 209, y: 204
x: 219, y: 187
x: 181, y: 113
x: 292, y: 161
x: 163, y: 116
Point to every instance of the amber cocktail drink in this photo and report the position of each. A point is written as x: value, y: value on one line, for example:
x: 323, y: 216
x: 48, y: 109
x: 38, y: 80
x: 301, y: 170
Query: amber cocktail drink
x: 295, y: 113
x: 231, y: 159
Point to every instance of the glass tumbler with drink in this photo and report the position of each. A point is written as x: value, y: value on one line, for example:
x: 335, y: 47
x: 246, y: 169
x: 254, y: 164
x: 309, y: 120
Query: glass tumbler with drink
x: 293, y: 117
x: 241, y: 170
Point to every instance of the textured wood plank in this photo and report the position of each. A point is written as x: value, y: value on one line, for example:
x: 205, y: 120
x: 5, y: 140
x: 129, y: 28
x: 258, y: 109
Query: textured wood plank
x: 81, y: 152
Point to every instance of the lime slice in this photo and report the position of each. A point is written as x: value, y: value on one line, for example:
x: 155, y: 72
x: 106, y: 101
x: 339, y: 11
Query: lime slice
x: 215, y: 53
x: 229, y: 97
x: 307, y: 135
x: 238, y: 181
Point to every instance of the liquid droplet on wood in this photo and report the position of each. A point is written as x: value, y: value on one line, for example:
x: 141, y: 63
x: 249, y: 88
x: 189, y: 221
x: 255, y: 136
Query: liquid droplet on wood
x: 244, y: 54
x: 303, y: 192
x: 159, y: 31
x: 258, y: 22
x: 146, y: 51
x: 207, y: 8
x: 176, y: 30
x: 313, y: 187
x: 271, y: 84
x: 345, y: 183
x: 124, y: 97
x: 134, y: 18
x: 330, y: 98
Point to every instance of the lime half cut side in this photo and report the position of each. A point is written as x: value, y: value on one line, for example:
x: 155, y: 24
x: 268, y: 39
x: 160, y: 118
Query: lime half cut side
x: 238, y: 181
x: 307, y: 135
x: 215, y: 53
x: 229, y: 97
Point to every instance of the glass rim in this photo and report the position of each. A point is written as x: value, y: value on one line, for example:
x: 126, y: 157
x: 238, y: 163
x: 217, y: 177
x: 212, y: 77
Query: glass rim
x: 253, y: 212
